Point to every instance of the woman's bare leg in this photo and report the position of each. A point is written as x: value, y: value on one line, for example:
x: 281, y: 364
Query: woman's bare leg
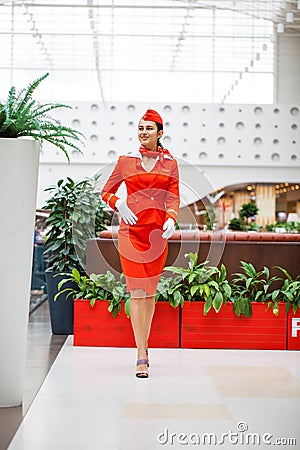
x: 141, y: 314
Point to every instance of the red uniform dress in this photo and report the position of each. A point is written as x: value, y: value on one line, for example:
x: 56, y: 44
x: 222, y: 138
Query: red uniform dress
x: 153, y: 196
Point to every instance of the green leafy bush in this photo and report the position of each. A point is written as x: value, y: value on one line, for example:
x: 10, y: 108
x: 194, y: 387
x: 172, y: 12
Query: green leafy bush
x: 253, y: 286
x: 290, y: 290
x: 77, y: 213
x: 102, y: 287
x: 202, y: 282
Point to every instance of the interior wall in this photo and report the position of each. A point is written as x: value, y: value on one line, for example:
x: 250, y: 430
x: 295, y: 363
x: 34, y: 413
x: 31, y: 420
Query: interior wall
x: 215, y: 145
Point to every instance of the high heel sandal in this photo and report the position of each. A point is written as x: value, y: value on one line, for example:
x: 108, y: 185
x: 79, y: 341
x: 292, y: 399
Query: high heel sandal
x: 148, y: 363
x: 142, y: 373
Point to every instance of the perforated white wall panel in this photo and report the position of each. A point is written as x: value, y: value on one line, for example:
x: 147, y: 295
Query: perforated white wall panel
x: 230, y: 143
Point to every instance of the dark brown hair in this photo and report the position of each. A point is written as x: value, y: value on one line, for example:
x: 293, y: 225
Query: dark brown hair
x: 159, y: 128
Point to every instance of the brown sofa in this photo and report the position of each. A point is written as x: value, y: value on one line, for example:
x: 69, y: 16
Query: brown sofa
x: 261, y: 249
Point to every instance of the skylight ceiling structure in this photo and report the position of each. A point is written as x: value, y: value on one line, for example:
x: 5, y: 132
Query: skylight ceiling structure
x: 163, y: 50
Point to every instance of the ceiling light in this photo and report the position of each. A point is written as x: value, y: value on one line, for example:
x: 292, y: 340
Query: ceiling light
x: 289, y: 17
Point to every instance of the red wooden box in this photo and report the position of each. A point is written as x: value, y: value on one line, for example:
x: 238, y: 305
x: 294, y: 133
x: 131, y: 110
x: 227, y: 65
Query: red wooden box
x: 293, y: 330
x: 225, y: 330
x: 95, y: 327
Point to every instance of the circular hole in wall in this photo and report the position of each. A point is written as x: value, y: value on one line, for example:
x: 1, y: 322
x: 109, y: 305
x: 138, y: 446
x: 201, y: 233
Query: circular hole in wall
x: 240, y: 110
x: 221, y: 156
x: 167, y: 139
x: 94, y: 123
x: 203, y: 140
x: 257, y: 141
x: 294, y: 126
x: 240, y: 126
x: 76, y: 122
x: 185, y: 140
x: 239, y: 156
x: 185, y: 109
x: 275, y: 141
x: 239, y: 141
x: 130, y: 108
x: 112, y: 108
x: 276, y: 111
x: 275, y: 126
x: 258, y: 110
x: 185, y: 124
x: 112, y: 138
x: 94, y: 107
x: 293, y: 157
x: 112, y: 123
x: 184, y: 155
x: 111, y: 154
x: 221, y: 140
x: 167, y: 124
x: 130, y: 124
x: 203, y: 124
x: 221, y: 125
x: 75, y: 153
x: 221, y: 109
x: 257, y: 126
x: 93, y: 153
x: 203, y: 109
x: 294, y: 142
x: 257, y: 156
x: 275, y: 157
x: 202, y: 155
x: 167, y: 108
x: 94, y: 138
x: 294, y: 111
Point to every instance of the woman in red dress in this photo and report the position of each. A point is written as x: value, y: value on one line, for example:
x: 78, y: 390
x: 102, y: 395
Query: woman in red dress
x: 148, y: 219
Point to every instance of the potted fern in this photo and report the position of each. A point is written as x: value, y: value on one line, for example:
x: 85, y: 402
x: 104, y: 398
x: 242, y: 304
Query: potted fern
x: 77, y: 213
x: 24, y: 125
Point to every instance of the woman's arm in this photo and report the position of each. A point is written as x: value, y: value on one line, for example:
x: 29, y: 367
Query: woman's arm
x: 172, y: 197
x: 111, y: 186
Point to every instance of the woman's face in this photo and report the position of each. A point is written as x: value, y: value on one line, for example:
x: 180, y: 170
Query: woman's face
x: 148, y: 134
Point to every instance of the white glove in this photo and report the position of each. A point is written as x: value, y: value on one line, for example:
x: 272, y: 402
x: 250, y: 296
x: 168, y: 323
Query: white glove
x: 169, y: 227
x: 127, y: 215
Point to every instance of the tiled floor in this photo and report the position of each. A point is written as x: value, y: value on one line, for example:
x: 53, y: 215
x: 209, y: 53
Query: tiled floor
x: 92, y: 400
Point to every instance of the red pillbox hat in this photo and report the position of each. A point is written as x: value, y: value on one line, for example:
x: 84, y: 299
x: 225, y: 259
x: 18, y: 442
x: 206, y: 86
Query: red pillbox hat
x: 152, y: 116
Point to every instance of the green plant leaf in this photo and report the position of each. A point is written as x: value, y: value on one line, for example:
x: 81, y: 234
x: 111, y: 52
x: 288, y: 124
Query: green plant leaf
x: 207, y: 305
x: 218, y: 301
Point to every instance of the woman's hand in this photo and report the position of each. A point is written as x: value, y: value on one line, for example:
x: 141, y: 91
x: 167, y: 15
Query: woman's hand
x: 169, y: 227
x: 127, y: 215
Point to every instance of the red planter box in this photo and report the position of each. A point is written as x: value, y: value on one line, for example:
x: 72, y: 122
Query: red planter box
x: 95, y: 327
x: 293, y: 330
x: 225, y: 330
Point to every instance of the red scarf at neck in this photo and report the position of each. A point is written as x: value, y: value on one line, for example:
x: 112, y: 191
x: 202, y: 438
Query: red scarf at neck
x: 153, y: 154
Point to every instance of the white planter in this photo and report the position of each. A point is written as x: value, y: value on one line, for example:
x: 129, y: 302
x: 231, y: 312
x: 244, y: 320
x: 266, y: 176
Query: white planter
x: 19, y: 165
